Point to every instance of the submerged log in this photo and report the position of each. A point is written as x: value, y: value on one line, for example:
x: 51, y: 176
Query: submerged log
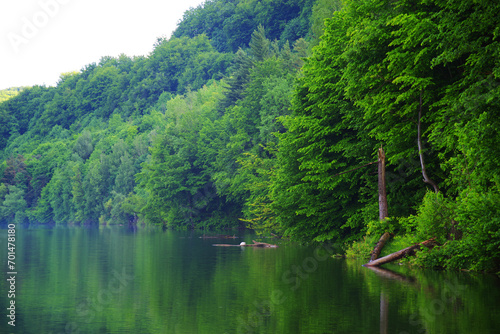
x: 243, y: 244
x: 262, y: 244
x: 219, y: 236
x: 400, y: 254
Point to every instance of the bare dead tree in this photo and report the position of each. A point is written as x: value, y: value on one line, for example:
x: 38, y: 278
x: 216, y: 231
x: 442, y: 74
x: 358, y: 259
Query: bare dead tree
x: 421, y: 149
x: 382, y: 192
x: 382, y: 203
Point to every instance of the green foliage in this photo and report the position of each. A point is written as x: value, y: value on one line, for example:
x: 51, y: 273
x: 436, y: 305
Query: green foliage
x: 257, y: 210
x: 361, y: 249
x: 176, y: 178
x: 13, y: 206
x: 367, y: 83
x: 435, y: 218
x: 8, y: 93
x: 236, y: 83
x: 314, y: 149
x: 230, y: 24
x: 322, y: 10
x: 3, y: 191
x: 58, y: 195
x: 478, y: 244
x: 170, y: 59
x: 234, y: 121
x: 376, y: 228
x: 259, y: 44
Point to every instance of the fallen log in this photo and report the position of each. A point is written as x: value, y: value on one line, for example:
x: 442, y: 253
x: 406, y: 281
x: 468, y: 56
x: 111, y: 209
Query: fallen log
x: 380, y: 244
x: 243, y: 244
x: 219, y: 236
x: 400, y: 254
x: 261, y: 244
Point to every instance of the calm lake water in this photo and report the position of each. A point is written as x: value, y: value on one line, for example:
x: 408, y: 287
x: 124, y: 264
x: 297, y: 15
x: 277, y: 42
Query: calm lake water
x: 118, y: 280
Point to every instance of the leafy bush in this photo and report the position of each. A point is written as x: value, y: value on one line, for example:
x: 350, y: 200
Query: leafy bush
x: 361, y: 249
x: 476, y: 243
x: 379, y: 227
x: 478, y: 215
x: 434, y: 218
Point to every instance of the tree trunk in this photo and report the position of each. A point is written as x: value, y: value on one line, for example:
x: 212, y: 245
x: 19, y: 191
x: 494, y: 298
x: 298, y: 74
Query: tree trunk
x: 382, y: 203
x: 382, y: 192
x: 400, y: 254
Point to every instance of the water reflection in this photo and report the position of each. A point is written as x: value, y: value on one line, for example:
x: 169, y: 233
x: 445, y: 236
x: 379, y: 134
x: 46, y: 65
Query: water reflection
x: 149, y: 280
x: 386, y: 274
x: 438, y: 302
x: 392, y: 275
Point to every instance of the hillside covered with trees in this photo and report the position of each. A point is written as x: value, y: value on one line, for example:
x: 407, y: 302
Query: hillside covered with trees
x: 269, y: 115
x: 6, y: 94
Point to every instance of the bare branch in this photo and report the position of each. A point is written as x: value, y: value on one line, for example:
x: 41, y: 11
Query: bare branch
x: 421, y: 149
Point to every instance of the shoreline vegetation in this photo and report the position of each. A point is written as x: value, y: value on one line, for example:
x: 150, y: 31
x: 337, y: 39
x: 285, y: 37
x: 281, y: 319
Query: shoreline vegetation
x: 272, y: 116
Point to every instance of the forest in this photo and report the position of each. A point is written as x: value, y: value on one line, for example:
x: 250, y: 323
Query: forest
x: 6, y: 94
x: 269, y: 115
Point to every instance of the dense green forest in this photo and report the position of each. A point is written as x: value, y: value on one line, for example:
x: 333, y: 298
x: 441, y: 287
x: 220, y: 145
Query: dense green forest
x: 268, y: 115
x: 6, y: 94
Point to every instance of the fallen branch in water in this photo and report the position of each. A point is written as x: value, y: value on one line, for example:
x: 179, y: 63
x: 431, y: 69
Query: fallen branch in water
x: 219, y: 236
x: 243, y: 244
x: 400, y: 254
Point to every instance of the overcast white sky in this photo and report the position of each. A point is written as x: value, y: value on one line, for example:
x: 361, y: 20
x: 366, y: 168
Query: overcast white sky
x: 40, y: 39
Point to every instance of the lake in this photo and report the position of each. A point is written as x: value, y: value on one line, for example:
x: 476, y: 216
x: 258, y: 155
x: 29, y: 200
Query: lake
x: 148, y: 280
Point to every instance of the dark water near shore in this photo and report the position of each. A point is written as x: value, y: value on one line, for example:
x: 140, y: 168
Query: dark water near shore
x: 117, y: 280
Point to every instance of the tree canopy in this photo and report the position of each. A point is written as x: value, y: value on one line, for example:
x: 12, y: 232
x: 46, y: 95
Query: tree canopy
x: 269, y: 115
